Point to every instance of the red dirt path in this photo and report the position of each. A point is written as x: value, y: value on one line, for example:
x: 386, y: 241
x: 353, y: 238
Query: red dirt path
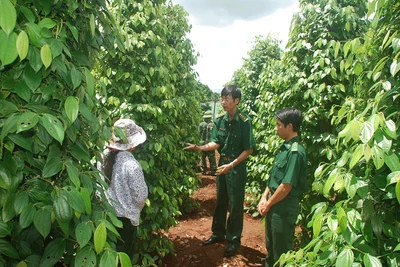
x: 192, y: 229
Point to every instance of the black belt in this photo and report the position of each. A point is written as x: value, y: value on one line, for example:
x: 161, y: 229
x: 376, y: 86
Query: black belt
x: 227, y: 159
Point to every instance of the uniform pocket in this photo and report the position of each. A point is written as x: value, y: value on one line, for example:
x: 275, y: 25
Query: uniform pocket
x: 280, y: 167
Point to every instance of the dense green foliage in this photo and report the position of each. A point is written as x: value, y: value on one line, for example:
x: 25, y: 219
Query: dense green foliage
x: 342, y: 69
x: 68, y: 70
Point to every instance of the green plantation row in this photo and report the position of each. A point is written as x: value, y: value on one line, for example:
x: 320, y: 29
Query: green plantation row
x: 341, y: 67
x: 68, y: 69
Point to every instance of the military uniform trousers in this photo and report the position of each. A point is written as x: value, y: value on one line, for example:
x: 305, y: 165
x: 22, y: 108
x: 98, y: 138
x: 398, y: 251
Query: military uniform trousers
x: 230, y: 193
x: 211, y: 159
x: 279, y: 228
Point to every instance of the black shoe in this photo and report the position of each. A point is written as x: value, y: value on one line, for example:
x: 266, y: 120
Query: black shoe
x: 230, y: 251
x: 213, y: 240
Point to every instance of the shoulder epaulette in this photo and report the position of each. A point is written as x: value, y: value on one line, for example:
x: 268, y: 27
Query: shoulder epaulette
x: 243, y: 117
x: 295, y: 146
x: 220, y: 115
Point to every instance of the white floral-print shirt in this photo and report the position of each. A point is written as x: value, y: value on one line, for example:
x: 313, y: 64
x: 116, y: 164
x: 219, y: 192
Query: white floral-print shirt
x: 127, y: 191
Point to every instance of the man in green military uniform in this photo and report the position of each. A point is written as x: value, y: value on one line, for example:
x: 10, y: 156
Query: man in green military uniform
x: 233, y: 136
x: 205, y: 129
x: 287, y: 182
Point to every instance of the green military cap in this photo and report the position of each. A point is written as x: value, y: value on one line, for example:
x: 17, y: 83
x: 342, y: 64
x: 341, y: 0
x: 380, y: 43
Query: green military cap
x: 207, y: 114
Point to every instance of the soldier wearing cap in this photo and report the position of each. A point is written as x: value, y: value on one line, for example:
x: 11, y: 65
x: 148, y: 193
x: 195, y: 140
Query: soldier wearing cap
x: 205, y: 129
x: 233, y: 136
x: 287, y: 182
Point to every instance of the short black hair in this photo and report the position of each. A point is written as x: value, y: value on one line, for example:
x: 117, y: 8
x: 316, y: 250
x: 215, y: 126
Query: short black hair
x: 290, y: 115
x: 233, y: 90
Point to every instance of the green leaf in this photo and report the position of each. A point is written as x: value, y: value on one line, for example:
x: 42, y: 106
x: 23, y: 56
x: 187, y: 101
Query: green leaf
x: 342, y: 219
x: 92, y: 25
x: 110, y: 227
x: 35, y: 61
x: 21, y: 201
x: 72, y: 108
x: 317, y: 224
x: 89, y: 82
x: 64, y: 225
x: 124, y: 259
x: 356, y: 156
x: 21, y: 141
x: 73, y: 174
x: 22, y: 45
x: 5, y: 229
x: 45, y: 54
x: 358, y: 68
x: 8, y: 48
x: 53, y: 252
x: 7, y: 248
x: 42, y: 221
x: 26, y: 216
x: 394, y: 67
x: 75, y: 199
x: 345, y: 258
x: 158, y: 147
x: 53, y: 126
x: 32, y: 79
x: 371, y: 261
x: 377, y: 224
x: 355, y: 128
x: 367, y: 131
x: 27, y: 13
x: 8, y: 211
x: 8, y: 16
x: 5, y: 179
x: 367, y: 152
x: 86, y: 199
x: 27, y: 121
x: 392, y: 161
x: 390, y: 129
x: 332, y: 223
x: 47, y: 23
x: 343, y: 160
x: 86, y: 258
x: 35, y: 37
x: 83, y: 233
x: 398, y: 191
x: 7, y: 108
x: 62, y: 208
x: 100, y: 238
x: 75, y: 77
x: 377, y: 157
x: 108, y: 259
x: 56, y: 47
x: 330, y: 181
x: 53, y: 166
x: 73, y: 30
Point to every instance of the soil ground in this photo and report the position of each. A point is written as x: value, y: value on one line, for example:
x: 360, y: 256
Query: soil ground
x: 188, y: 234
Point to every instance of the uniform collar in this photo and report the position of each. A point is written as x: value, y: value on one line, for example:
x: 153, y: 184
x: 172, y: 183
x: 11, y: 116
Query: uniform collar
x: 287, y: 145
x: 235, y: 117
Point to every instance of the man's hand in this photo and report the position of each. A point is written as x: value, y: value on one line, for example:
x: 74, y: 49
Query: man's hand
x: 190, y: 146
x: 263, y: 206
x: 224, y: 169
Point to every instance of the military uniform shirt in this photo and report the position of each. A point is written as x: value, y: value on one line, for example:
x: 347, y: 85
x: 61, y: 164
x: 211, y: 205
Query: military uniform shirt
x: 290, y: 167
x: 205, y: 131
x: 233, y: 136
